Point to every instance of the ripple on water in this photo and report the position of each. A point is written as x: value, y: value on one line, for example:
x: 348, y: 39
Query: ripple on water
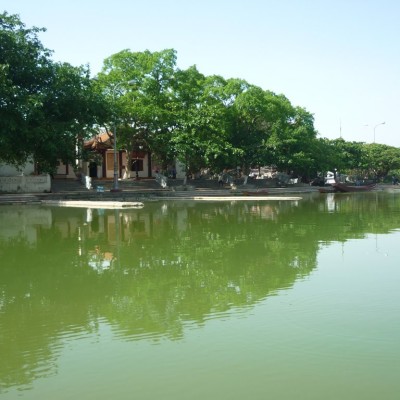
x: 323, y: 326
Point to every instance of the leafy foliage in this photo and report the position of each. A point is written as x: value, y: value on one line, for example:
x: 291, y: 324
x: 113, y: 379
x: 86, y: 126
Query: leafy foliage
x: 45, y: 107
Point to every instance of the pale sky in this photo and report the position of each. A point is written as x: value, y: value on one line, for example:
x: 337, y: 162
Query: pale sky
x: 339, y: 59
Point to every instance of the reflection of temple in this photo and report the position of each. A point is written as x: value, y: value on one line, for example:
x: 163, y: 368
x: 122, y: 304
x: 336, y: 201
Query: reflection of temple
x: 116, y: 225
x: 264, y: 211
x: 100, y: 261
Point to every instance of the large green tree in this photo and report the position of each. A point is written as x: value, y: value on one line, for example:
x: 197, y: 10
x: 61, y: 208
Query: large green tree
x: 202, y: 136
x: 45, y: 107
x: 25, y: 69
x: 138, y: 88
x: 269, y: 130
x: 381, y: 159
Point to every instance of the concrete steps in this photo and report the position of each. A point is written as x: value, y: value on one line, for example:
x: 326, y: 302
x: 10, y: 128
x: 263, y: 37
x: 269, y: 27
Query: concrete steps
x: 132, y: 190
x: 14, y: 199
x: 66, y: 185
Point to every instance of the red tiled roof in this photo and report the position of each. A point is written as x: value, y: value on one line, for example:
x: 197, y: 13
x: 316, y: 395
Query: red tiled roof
x: 99, y: 142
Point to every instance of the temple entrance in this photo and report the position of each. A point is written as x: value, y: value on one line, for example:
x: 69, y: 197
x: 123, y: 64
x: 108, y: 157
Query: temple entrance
x: 93, y: 169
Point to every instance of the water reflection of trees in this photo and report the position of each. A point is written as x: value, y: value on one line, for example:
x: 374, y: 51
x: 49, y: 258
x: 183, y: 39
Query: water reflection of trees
x: 171, y: 265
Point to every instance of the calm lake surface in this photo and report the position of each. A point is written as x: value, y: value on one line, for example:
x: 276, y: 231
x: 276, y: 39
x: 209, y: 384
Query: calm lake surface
x: 192, y: 300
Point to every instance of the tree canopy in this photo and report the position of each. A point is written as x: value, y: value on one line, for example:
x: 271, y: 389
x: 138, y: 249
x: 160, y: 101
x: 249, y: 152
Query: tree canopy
x: 47, y: 109
x: 203, y: 121
x: 44, y: 106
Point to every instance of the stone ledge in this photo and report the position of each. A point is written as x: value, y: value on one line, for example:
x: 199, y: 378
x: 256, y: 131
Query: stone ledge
x: 25, y: 184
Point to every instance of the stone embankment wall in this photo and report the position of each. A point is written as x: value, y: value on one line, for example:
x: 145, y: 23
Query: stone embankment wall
x: 25, y: 184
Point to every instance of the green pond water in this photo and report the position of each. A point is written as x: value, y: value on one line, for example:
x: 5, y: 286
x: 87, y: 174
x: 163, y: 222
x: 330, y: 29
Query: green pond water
x: 202, y: 300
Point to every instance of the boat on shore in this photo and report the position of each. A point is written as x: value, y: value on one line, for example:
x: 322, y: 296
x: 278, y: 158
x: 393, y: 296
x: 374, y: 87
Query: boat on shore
x: 341, y: 187
x: 338, y: 187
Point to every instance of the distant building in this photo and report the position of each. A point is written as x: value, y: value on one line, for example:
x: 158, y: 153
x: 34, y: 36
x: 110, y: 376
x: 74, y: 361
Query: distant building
x: 102, y: 160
